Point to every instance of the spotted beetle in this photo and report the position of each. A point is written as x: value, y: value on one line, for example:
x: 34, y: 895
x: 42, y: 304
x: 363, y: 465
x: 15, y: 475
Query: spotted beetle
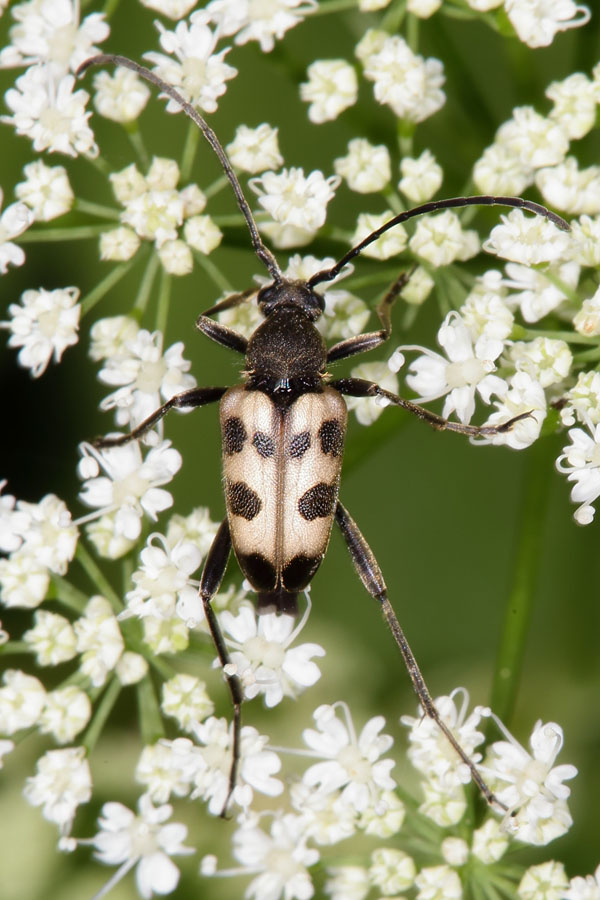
x: 283, y: 431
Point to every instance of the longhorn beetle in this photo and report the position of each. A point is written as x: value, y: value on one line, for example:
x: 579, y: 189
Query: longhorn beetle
x: 283, y: 432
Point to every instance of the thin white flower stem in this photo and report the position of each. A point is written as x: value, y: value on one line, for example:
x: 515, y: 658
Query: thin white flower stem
x: 151, y: 724
x: 67, y: 594
x: 107, y: 284
x: 54, y: 235
x: 96, y: 209
x: 137, y: 142
x: 301, y: 623
x: 114, y: 879
x: 97, y: 577
x: 164, y: 299
x: 102, y: 711
x: 292, y: 751
x: 188, y: 154
x: 146, y: 284
x: 529, y: 536
x: 213, y: 272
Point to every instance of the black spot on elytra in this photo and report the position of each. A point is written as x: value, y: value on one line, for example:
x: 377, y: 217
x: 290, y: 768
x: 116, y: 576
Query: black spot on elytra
x: 234, y: 436
x: 317, y: 502
x: 331, y: 436
x: 299, y: 444
x: 258, y: 570
x: 264, y: 444
x: 298, y: 573
x: 243, y: 501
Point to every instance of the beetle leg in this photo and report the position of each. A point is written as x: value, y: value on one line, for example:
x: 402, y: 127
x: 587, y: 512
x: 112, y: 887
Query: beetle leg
x: 192, y: 398
x: 370, y: 574
x: 227, y: 337
x: 212, y: 575
x: 360, y: 343
x: 358, y: 387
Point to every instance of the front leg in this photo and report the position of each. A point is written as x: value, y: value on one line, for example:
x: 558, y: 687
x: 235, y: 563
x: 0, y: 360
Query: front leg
x: 358, y: 387
x: 188, y: 399
x: 222, y: 335
x: 370, y: 574
x: 360, y: 343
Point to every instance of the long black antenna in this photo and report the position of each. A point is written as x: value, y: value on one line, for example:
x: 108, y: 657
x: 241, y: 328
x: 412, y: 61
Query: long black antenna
x: 432, y: 206
x: 263, y: 253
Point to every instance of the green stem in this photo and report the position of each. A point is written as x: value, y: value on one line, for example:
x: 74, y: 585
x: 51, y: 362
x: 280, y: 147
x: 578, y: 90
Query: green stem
x: 107, y: 283
x: 213, y: 272
x: 143, y: 294
x: 101, y: 714
x: 138, y: 145
x: 189, y: 152
x: 51, y: 235
x: 68, y: 595
x: 151, y: 726
x: 164, y: 297
x: 98, y: 579
x: 97, y: 209
x: 529, y: 546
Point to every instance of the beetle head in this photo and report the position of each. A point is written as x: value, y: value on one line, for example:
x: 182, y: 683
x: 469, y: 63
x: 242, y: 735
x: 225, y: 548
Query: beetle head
x: 291, y: 293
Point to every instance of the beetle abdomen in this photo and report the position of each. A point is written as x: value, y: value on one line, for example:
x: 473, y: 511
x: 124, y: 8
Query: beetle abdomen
x: 281, y: 466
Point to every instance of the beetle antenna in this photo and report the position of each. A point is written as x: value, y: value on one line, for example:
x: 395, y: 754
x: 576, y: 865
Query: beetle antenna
x: 263, y: 253
x: 432, y: 206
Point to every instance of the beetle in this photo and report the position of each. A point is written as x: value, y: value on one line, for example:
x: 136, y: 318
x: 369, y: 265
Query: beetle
x: 283, y: 431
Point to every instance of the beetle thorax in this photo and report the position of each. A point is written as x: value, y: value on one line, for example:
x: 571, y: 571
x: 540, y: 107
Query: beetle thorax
x: 285, y: 350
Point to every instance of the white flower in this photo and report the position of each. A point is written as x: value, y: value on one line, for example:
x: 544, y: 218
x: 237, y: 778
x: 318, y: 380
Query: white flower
x: 325, y: 820
x: 279, y: 859
x: 66, y: 713
x: 99, y: 640
x: 155, y: 215
x: 438, y: 883
x: 391, y: 870
x: 390, y: 243
x: 536, y: 294
x: 569, y: 188
x: 585, y: 241
x: 501, y: 171
x: 168, y: 767
x: 174, y: 9
x: 52, y: 639
x: 545, y: 359
x: 43, y: 326
x: 536, y: 141
x: 331, y: 88
x: 255, y: 770
x: 423, y: 8
x: 351, y: 763
x: 46, y: 190
x: 292, y: 198
x: 431, y: 753
x: 443, y: 805
x: 111, y: 336
x: 527, y: 240
x: 62, y: 783
x: 538, y: 21
x: 176, y: 257
x: 345, y: 315
x: 580, y: 462
x: 406, y: 82
x: 52, y: 114
x: 440, y: 239
x: 255, y: 150
x: 131, y: 486
x: 162, y: 578
x: 368, y: 409
x: 347, y: 882
x: 22, y: 699
x: 455, y: 851
x: 485, y: 311
x: 144, y: 841
x: 202, y: 234
x: 366, y: 168
x: 530, y: 785
x: 547, y: 881
x: 575, y: 100
x: 131, y: 668
x: 184, y: 697
x: 145, y: 377
x: 121, y: 95
x: 467, y: 370
x: 50, y: 32
x: 420, y: 284
x: 198, y: 528
x: 587, y: 320
x: 23, y: 580
x: 587, y: 888
x: 260, y: 649
x: 14, y: 221
x: 256, y: 20
x: 421, y: 177
x: 525, y: 395
x: 119, y: 244
x: 489, y: 842
x: 197, y: 72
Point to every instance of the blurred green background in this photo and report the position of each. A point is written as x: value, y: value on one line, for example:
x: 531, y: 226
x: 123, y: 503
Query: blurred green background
x: 441, y: 516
